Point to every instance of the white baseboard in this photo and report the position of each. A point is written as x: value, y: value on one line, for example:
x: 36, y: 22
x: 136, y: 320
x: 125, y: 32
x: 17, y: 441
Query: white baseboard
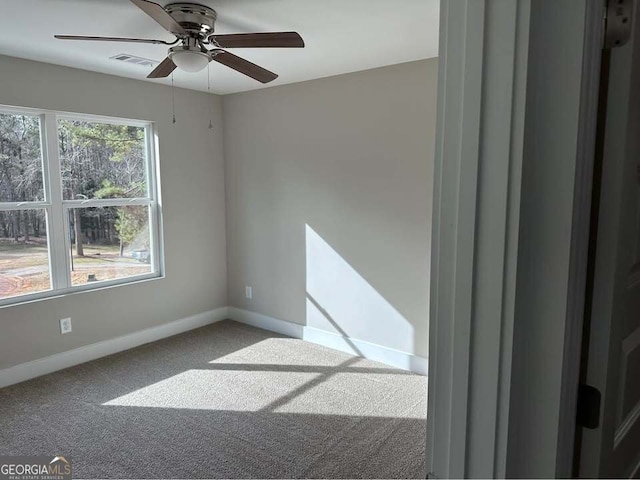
x: 372, y: 351
x: 378, y: 353
x: 60, y: 361
x: 266, y: 323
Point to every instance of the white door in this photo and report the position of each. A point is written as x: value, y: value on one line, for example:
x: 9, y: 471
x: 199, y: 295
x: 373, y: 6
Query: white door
x: 613, y: 448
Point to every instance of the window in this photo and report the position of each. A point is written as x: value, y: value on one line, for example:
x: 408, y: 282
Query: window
x: 78, y: 203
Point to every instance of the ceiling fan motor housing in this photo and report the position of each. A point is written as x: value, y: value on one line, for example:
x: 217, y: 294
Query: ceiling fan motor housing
x: 197, y: 20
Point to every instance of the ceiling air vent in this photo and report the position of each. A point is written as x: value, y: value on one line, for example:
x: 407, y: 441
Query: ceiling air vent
x: 143, y: 62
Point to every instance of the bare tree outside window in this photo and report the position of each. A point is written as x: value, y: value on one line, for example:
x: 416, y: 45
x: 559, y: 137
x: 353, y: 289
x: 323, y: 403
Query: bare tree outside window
x: 24, y: 258
x: 100, y: 160
x: 20, y: 159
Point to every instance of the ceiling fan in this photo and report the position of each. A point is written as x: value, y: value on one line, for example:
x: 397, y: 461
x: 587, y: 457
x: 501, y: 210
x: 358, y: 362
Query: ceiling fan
x: 193, y: 26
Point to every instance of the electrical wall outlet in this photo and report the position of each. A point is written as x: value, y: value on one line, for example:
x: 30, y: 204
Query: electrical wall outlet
x: 65, y: 325
x: 248, y: 292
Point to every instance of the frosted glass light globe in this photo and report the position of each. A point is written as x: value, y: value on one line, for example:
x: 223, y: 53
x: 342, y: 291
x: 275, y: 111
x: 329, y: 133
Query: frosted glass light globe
x: 189, y: 60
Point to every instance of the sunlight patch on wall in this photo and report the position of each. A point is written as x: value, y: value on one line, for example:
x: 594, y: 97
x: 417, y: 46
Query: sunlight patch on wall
x: 341, y: 301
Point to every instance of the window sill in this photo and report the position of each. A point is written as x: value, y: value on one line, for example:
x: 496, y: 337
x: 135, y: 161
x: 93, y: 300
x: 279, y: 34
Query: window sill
x: 51, y: 294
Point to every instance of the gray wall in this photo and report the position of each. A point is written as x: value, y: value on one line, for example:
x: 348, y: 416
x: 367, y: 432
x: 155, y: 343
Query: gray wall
x: 329, y: 186
x: 192, y: 182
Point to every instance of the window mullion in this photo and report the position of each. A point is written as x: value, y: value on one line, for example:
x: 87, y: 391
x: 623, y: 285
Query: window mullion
x: 58, y: 224
x: 8, y: 206
x: 106, y: 202
x: 155, y: 211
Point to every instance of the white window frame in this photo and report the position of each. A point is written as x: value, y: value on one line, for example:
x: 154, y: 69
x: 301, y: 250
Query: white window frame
x: 57, y: 209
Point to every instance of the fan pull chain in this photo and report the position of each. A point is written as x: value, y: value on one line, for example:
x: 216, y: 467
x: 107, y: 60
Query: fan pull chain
x: 209, y: 91
x: 173, y: 100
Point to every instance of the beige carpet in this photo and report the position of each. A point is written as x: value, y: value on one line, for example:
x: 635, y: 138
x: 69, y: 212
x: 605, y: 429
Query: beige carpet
x: 223, y: 401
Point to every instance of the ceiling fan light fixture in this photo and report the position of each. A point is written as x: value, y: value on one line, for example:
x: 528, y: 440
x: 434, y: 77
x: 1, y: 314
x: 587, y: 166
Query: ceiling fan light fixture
x: 189, y: 60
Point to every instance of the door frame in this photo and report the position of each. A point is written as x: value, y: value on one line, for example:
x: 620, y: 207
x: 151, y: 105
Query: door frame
x: 479, y: 150
x: 487, y: 62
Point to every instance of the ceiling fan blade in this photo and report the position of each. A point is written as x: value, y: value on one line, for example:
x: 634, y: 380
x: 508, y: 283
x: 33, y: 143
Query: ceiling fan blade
x: 110, y: 39
x: 160, y: 15
x: 244, y: 66
x: 260, y: 40
x: 163, y: 70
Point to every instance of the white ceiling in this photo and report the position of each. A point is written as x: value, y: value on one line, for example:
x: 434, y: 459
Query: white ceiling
x: 341, y: 36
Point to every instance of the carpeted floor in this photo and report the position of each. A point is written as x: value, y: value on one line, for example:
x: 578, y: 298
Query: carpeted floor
x: 223, y: 401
